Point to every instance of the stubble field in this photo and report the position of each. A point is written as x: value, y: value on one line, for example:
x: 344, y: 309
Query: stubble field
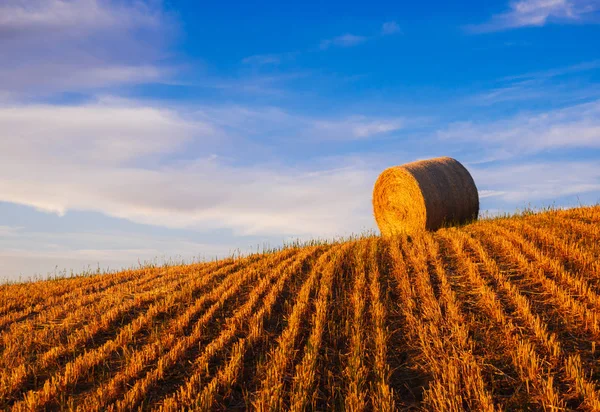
x: 501, y: 314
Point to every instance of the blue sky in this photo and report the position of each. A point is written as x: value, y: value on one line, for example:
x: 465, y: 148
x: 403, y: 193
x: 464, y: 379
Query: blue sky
x: 138, y: 130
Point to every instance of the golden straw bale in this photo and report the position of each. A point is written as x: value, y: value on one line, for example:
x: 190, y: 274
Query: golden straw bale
x: 427, y: 194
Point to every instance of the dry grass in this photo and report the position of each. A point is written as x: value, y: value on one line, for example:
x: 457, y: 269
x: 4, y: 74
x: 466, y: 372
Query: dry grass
x: 496, y: 315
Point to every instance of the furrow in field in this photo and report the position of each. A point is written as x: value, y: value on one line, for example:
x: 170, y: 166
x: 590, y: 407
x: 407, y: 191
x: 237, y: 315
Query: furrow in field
x: 460, y: 331
x: 552, y: 254
x: 586, y: 234
x: 355, y: 372
x: 505, y: 338
x: 302, y: 393
x: 193, y: 394
x: 564, y: 242
x: 382, y: 395
x: 444, y: 389
x: 270, y: 395
x: 57, y: 310
x: 570, y: 319
x: 407, y: 378
x: 80, y: 368
x: 330, y: 390
x: 34, y: 360
x: 589, y: 214
x: 569, y: 291
x: 142, y: 357
x: 25, y: 295
x: 577, y: 312
x: 32, y: 350
x: 186, y: 347
x: 406, y: 302
x: 31, y: 299
x: 444, y: 336
x: 50, y: 305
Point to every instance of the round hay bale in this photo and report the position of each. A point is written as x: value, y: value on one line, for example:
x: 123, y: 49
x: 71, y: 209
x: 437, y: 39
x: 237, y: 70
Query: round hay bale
x: 427, y: 194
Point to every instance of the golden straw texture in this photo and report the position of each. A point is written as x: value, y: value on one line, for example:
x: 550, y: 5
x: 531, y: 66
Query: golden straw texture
x: 427, y: 194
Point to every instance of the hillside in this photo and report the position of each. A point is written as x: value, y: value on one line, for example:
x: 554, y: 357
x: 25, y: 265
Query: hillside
x: 499, y: 314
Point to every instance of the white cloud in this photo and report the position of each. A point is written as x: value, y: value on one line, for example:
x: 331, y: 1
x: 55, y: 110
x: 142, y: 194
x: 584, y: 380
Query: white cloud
x: 9, y: 230
x: 202, y: 196
x: 525, y: 13
x: 66, y: 15
x: 262, y: 59
x: 559, y: 85
x: 572, y: 127
x: 519, y: 160
x: 105, y: 132
x: 490, y: 193
x: 59, y: 45
x: 356, y: 128
x: 345, y: 40
x: 283, y: 125
x: 537, y: 181
x: 556, y: 72
x: 80, y: 77
x: 129, y: 161
x: 390, y: 27
x: 273, y: 59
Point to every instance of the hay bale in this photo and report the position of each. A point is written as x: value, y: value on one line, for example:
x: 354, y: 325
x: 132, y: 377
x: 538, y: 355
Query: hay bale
x: 427, y: 194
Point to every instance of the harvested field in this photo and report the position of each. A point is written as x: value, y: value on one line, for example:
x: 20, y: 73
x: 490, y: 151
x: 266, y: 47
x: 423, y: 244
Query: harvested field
x: 501, y: 314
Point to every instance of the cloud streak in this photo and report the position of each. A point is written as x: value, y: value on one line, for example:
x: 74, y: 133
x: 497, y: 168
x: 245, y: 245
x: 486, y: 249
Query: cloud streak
x: 55, y: 45
x: 262, y: 59
x: 125, y: 160
x: 537, y: 13
x: 390, y: 27
x: 345, y: 40
x: 273, y: 59
x: 576, y: 126
x: 351, y: 40
x: 537, y: 181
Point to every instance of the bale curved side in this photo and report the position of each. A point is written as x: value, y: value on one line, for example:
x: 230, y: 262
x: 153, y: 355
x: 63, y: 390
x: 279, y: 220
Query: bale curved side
x: 427, y: 194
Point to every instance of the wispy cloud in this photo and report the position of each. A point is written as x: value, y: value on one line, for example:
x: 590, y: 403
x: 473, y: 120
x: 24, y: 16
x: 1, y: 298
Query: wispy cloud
x: 269, y: 59
x: 17, y: 16
x: 537, y: 13
x: 351, y: 40
x: 354, y: 128
x: 572, y: 127
x: 204, y: 195
x: 135, y: 167
x: 390, y: 27
x: 560, y: 85
x: 262, y: 59
x: 538, y: 181
x: 560, y: 71
x: 538, y: 90
x: 60, y: 45
x: 109, y: 131
x: 9, y: 230
x: 345, y: 40
x: 278, y: 124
